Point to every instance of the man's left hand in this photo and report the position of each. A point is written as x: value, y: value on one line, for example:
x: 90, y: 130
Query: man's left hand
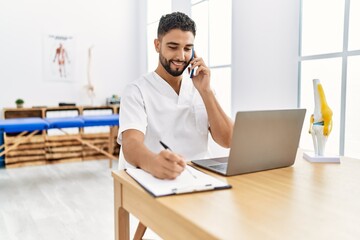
x: 201, y: 77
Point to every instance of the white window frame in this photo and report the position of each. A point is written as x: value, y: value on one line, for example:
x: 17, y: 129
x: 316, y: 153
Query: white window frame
x: 344, y: 54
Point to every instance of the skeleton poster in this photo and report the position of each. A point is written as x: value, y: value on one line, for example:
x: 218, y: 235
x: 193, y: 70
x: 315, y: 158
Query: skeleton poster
x: 59, y: 58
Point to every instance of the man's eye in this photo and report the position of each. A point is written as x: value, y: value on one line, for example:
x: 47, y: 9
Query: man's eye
x: 188, y: 49
x: 172, y: 47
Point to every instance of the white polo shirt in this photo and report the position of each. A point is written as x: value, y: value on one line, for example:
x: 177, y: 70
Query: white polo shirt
x: 151, y: 106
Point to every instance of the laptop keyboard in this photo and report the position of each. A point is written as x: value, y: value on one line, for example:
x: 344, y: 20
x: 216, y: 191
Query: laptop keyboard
x: 220, y: 167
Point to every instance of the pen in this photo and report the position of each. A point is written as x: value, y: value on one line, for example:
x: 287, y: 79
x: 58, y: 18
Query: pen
x: 166, y: 147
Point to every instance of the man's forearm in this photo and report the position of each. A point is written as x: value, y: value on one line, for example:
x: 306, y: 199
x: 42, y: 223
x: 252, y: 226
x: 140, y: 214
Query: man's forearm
x: 220, y: 124
x: 137, y: 154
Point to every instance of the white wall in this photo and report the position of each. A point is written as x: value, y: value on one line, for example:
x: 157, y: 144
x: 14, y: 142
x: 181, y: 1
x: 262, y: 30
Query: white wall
x: 265, y: 52
x: 112, y: 26
x: 264, y: 60
x: 181, y: 6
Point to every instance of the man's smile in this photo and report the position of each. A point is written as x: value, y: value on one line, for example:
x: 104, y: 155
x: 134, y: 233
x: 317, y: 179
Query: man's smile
x: 178, y: 63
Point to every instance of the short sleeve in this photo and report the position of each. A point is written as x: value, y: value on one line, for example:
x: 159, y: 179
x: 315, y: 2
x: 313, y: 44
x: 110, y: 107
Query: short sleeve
x: 132, y: 111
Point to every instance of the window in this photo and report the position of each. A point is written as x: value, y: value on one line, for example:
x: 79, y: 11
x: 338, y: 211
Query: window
x: 213, y: 43
x: 330, y: 51
x: 354, y: 25
x: 155, y: 9
x: 320, y: 24
x: 352, y: 116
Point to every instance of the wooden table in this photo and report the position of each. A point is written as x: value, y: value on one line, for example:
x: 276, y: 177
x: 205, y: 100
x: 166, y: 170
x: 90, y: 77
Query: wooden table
x: 305, y: 201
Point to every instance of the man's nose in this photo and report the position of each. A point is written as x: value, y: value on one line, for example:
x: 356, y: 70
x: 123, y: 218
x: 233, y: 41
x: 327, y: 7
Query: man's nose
x: 180, y: 55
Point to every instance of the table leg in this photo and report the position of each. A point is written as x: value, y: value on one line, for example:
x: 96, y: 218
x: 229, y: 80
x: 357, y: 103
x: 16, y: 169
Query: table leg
x: 121, y: 215
x: 18, y: 142
x: 140, y: 231
x: 110, y: 156
x: 111, y: 144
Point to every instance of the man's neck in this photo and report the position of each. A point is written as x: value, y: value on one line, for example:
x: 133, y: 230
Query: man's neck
x: 174, y: 82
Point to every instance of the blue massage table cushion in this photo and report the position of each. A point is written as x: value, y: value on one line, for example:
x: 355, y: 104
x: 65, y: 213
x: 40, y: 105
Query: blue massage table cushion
x: 16, y: 125
x: 31, y: 124
x: 65, y: 122
x: 101, y: 120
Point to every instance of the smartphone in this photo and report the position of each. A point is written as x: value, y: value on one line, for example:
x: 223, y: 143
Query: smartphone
x: 192, y: 57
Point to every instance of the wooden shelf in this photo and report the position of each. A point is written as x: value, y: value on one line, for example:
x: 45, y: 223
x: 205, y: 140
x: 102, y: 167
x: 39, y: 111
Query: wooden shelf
x: 23, y: 112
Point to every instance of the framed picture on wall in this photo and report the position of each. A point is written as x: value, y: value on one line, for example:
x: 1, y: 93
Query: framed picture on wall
x: 59, y: 54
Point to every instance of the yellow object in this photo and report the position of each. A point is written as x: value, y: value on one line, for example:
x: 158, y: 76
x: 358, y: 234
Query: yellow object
x: 325, y: 111
x: 311, y: 122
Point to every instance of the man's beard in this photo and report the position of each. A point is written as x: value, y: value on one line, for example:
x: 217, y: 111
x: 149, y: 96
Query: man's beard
x: 166, y: 64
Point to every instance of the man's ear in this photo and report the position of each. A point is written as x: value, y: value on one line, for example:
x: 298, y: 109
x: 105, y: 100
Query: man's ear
x: 157, y: 45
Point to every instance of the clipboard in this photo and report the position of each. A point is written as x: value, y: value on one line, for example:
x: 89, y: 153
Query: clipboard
x: 184, y: 183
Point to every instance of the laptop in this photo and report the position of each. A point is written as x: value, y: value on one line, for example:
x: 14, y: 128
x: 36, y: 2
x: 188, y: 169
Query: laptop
x: 262, y: 140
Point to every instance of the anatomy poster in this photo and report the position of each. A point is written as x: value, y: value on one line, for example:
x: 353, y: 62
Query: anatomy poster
x: 59, y: 57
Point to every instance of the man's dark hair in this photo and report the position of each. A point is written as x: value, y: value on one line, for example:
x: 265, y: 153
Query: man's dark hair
x: 175, y: 20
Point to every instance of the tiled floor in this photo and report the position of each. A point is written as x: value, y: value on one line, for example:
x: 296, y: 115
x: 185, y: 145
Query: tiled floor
x: 59, y: 201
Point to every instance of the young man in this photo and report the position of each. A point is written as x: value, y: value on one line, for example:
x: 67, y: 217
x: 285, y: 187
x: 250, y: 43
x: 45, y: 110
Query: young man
x: 165, y: 106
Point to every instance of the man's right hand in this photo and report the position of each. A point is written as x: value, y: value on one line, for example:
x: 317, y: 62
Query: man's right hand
x: 167, y: 165
x: 164, y: 165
